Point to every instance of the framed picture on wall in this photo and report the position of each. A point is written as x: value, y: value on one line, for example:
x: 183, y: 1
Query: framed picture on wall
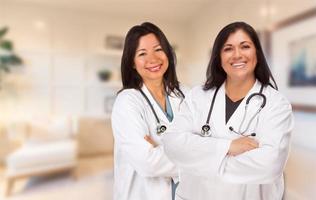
x: 114, y: 42
x: 293, y: 59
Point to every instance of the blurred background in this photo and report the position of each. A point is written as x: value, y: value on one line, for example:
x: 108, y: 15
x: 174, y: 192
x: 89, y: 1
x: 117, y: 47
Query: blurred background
x: 60, y: 71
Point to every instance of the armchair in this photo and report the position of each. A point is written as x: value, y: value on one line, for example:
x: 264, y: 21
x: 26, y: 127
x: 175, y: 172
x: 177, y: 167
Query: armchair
x: 50, y: 147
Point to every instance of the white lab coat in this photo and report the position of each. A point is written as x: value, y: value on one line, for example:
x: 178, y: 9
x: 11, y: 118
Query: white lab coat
x: 206, y: 172
x: 141, y: 172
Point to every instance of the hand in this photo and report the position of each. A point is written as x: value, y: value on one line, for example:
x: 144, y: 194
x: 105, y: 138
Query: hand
x: 150, y: 140
x: 241, y: 145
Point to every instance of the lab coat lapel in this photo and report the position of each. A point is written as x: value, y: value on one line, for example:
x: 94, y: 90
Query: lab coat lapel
x: 253, y: 106
x: 218, y: 114
x: 175, y: 103
x: 162, y: 117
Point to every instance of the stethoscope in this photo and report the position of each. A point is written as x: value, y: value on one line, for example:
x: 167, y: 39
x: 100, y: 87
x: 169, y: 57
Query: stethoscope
x: 205, y: 131
x: 160, y: 127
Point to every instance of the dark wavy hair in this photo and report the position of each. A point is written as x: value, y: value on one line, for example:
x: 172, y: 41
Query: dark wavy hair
x: 215, y: 74
x: 130, y: 77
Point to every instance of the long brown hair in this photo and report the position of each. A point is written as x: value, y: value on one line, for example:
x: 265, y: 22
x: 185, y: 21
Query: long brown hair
x: 130, y: 77
x: 215, y: 75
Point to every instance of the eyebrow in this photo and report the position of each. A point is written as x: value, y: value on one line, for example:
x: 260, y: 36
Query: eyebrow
x: 157, y: 45
x: 246, y: 42
x: 243, y: 42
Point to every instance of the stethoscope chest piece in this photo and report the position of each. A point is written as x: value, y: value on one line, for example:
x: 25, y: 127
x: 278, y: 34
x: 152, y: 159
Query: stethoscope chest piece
x: 205, y: 132
x: 241, y: 131
x: 161, y: 129
x: 206, y: 128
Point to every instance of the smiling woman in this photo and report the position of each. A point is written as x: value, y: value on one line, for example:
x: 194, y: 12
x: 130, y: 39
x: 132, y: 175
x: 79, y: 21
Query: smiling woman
x: 220, y: 162
x: 147, y: 104
x: 151, y: 62
x: 239, y: 59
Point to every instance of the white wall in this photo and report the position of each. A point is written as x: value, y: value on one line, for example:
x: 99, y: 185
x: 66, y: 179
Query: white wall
x: 63, y: 49
x: 205, y: 26
x: 300, y: 173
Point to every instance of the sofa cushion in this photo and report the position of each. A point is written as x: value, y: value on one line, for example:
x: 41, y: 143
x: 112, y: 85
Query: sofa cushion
x: 95, y: 136
x: 46, y: 154
x: 49, y: 129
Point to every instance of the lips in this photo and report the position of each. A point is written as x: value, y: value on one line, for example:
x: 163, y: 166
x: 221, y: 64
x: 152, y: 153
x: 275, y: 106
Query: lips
x: 154, y: 68
x: 239, y: 65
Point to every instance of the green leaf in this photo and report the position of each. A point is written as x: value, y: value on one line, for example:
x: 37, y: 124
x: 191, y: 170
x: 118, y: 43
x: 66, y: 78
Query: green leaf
x: 15, y: 60
x: 3, y: 31
x: 6, y: 44
x: 10, y: 60
x: 5, y: 68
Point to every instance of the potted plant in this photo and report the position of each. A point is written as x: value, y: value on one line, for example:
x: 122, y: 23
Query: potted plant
x: 8, y: 58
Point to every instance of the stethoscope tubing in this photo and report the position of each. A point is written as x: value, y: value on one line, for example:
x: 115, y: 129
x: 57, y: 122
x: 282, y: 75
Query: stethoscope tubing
x: 264, y: 100
x: 160, y: 128
x: 205, y: 127
x: 151, y: 106
x: 212, y: 105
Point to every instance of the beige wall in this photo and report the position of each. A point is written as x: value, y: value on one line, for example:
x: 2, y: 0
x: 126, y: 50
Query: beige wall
x: 63, y: 49
x: 204, y: 27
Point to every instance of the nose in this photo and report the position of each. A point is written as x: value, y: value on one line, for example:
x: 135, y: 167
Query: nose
x: 152, y: 58
x: 237, y: 53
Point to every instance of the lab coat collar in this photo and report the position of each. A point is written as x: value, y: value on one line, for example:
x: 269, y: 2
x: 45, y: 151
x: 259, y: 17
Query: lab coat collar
x: 219, y: 111
x: 253, y: 106
x: 174, y: 101
x: 218, y: 114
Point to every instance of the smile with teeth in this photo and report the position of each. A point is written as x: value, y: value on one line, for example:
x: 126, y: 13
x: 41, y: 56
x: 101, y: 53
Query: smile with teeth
x: 239, y: 65
x: 154, y: 68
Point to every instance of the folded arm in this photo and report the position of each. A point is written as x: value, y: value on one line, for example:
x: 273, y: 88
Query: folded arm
x: 266, y: 163
x: 130, y: 128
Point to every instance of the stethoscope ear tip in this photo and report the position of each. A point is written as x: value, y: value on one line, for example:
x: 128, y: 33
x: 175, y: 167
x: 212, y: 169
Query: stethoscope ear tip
x: 253, y: 134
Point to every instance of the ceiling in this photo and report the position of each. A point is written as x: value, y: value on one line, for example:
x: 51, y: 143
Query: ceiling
x: 173, y: 10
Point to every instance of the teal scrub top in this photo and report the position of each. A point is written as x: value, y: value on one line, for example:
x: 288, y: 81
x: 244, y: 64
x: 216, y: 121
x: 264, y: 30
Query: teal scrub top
x: 168, y: 112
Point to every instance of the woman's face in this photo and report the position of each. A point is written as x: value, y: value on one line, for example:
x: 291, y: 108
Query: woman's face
x: 150, y: 60
x: 238, y: 57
